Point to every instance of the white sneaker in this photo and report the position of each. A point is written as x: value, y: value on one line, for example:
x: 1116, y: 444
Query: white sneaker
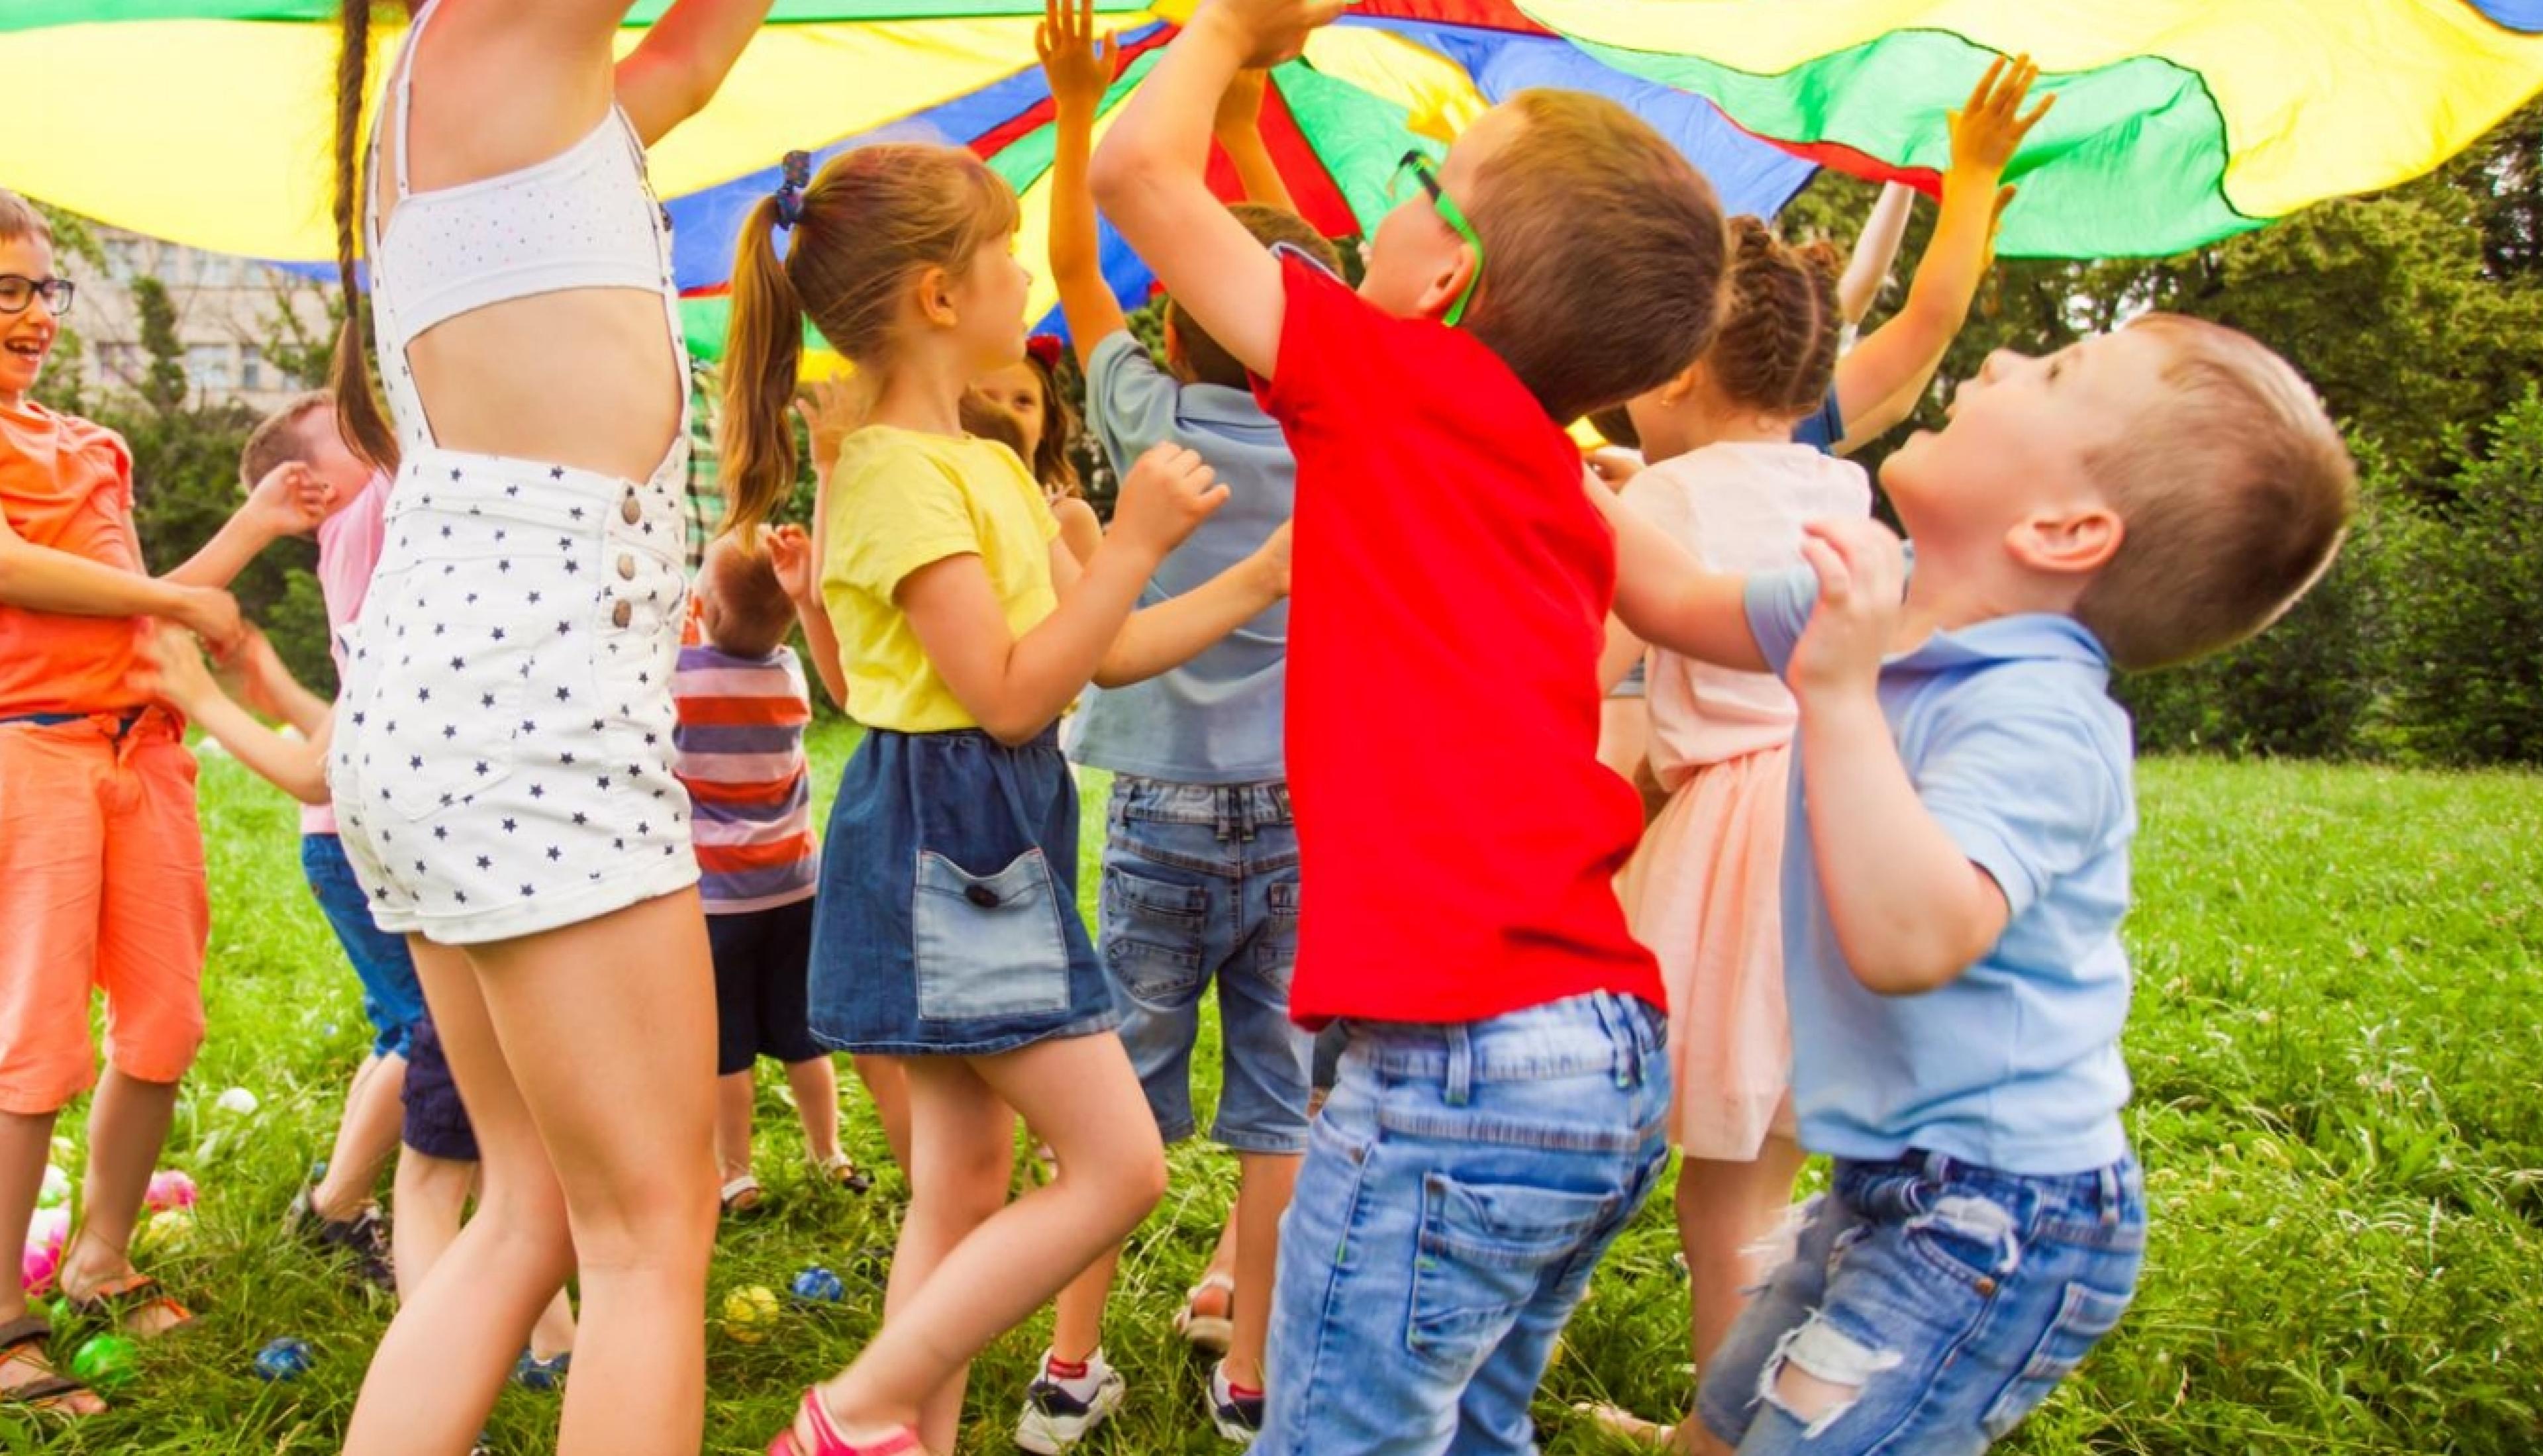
x: 1059, y: 1413
x: 1238, y: 1418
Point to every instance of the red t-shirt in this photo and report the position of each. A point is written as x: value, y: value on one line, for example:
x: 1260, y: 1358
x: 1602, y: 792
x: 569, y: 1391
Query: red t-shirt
x: 67, y: 484
x: 1449, y: 586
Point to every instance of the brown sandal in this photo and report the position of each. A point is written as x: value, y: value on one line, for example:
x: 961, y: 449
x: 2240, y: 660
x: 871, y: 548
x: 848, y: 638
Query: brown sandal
x: 125, y: 1302
x: 22, y: 1342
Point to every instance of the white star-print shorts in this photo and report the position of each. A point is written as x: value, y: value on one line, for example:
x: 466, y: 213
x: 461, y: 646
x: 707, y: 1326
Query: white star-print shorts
x: 502, y: 750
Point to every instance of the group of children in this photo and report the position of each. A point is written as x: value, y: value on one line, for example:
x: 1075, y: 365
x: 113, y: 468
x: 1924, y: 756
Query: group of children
x: 1876, y: 916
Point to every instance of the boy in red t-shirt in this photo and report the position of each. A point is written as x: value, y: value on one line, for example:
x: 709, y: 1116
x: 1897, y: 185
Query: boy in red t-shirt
x: 101, y: 858
x: 1499, y: 1116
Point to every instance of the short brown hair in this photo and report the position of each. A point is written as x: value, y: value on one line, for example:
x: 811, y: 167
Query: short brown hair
x: 282, y: 436
x: 1603, y: 253
x: 2233, y: 495
x: 1204, y: 359
x: 19, y: 219
x: 752, y: 613
x: 993, y: 422
x: 1776, y: 350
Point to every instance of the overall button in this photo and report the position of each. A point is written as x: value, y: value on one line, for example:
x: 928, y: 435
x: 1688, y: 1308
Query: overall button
x: 627, y: 566
x: 630, y: 511
x: 981, y: 895
x: 623, y: 614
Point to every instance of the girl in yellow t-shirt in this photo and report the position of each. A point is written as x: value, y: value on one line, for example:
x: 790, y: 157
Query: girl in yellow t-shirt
x: 946, y: 932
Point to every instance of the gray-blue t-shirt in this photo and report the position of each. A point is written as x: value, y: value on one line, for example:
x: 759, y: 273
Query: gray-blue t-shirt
x: 1215, y: 719
x: 2015, y: 746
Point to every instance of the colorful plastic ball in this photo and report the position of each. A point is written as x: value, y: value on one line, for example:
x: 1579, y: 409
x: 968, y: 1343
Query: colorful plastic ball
x: 283, y: 1359
x: 103, y: 1360
x: 171, y: 1189
x: 817, y: 1285
x: 57, y: 1190
x: 47, y: 1234
x: 169, y: 1229
x: 237, y: 1100
x: 750, y: 1314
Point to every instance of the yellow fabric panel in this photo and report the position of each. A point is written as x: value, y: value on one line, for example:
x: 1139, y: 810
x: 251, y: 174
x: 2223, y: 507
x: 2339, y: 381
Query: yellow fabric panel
x: 1439, y: 96
x: 220, y: 133
x: 2319, y: 99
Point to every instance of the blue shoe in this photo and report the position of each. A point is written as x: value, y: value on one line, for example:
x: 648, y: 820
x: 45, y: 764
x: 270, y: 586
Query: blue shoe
x: 530, y: 1372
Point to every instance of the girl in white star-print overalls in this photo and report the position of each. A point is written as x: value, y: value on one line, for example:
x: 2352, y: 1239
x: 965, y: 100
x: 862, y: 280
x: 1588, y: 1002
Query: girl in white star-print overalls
x: 502, y: 764
x: 946, y: 932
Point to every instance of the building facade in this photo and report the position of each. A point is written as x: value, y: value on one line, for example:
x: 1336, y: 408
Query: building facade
x: 229, y: 311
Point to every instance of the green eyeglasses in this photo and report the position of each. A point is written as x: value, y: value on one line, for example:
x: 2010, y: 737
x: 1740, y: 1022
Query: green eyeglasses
x: 1418, y: 168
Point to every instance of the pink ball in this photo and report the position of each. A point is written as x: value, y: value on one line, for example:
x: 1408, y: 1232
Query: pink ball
x: 46, y: 1233
x: 170, y: 1189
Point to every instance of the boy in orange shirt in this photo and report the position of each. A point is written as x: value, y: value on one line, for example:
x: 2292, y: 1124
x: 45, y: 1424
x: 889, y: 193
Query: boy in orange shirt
x: 101, y: 861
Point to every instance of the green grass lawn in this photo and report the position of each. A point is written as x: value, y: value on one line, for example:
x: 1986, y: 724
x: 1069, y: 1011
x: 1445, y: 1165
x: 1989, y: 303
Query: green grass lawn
x: 2338, y: 1105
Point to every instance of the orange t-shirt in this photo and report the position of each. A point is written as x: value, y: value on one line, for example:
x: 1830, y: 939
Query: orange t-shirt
x: 67, y: 484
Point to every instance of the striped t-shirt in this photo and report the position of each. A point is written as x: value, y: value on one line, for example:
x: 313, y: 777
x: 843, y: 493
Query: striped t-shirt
x: 741, y: 754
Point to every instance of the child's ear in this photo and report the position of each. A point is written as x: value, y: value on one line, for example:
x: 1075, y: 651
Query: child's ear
x: 935, y: 293
x: 1446, y: 285
x: 2077, y: 541
x: 1678, y: 389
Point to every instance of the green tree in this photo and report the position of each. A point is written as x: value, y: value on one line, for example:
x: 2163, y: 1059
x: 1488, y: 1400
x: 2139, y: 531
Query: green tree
x: 163, y: 380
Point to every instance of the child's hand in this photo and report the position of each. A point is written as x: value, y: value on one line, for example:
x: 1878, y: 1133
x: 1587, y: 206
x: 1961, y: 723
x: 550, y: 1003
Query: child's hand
x: 1616, y: 468
x: 1863, y: 575
x: 830, y: 414
x: 789, y: 553
x: 1239, y: 107
x: 1170, y: 491
x: 261, y: 675
x: 1078, y: 65
x: 174, y: 672
x: 1271, y: 558
x: 1989, y: 128
x: 290, y: 501
x: 1272, y: 30
x: 213, y: 615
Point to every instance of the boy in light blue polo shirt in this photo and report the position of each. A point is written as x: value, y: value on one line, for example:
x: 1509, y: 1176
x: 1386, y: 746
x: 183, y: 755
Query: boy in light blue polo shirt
x: 1201, y: 865
x: 1958, y: 864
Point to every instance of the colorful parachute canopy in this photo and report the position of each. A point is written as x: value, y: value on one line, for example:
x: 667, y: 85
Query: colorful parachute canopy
x: 2179, y: 121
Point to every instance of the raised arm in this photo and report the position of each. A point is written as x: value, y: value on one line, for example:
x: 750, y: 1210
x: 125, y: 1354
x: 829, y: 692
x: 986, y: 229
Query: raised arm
x: 298, y: 767
x: 1879, y: 381
x: 1080, y: 69
x: 290, y: 501
x: 791, y: 553
x: 1664, y: 597
x: 1151, y: 176
x: 1017, y: 686
x: 1911, y: 911
x: 1238, y: 126
x: 675, y: 70
x: 1875, y: 250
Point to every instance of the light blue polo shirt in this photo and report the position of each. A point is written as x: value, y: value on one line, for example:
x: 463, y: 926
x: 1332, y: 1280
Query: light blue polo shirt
x: 1215, y: 719
x: 2009, y: 733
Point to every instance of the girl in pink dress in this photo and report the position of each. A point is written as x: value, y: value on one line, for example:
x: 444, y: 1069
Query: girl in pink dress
x: 1703, y: 891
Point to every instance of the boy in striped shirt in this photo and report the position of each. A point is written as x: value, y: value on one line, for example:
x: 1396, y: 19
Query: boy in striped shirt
x: 742, y: 707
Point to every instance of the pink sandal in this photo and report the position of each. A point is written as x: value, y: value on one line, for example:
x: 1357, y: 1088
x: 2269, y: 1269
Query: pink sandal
x: 828, y: 1441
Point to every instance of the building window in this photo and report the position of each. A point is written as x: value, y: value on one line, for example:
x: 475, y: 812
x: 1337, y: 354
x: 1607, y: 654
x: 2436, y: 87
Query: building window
x: 251, y: 369
x: 211, y: 365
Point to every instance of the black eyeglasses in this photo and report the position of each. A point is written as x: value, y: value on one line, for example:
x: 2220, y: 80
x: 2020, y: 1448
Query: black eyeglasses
x: 16, y: 293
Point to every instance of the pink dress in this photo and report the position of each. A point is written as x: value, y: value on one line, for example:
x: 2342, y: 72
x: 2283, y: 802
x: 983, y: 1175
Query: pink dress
x: 1703, y: 891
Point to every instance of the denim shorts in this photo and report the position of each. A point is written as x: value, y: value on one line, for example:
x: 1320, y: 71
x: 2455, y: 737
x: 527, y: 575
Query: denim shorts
x: 946, y: 923
x: 1460, y: 1185
x: 437, y: 1121
x: 392, y: 998
x: 1952, y: 1298
x: 1200, y: 885
x: 762, y: 960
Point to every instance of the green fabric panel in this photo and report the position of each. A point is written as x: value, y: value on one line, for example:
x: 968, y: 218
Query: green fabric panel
x: 1023, y: 161
x: 2131, y: 162
x: 1357, y: 136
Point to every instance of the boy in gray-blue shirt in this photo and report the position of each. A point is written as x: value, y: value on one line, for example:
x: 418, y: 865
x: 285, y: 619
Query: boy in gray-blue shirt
x: 1201, y: 865
x: 1957, y: 866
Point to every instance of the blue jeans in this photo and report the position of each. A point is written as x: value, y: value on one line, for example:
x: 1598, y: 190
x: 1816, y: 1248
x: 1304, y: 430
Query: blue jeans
x: 392, y: 998
x: 1200, y: 885
x: 1950, y: 1298
x: 1460, y: 1185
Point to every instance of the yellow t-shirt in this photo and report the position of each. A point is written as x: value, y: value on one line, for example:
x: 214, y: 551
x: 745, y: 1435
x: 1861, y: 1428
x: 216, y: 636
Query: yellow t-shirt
x: 901, y: 499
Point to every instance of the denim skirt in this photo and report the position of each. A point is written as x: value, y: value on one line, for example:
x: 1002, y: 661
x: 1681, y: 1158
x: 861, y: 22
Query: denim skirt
x: 946, y: 923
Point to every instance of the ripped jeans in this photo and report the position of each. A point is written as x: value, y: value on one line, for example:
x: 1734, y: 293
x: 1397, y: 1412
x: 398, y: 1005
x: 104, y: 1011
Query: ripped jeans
x: 1929, y: 1306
